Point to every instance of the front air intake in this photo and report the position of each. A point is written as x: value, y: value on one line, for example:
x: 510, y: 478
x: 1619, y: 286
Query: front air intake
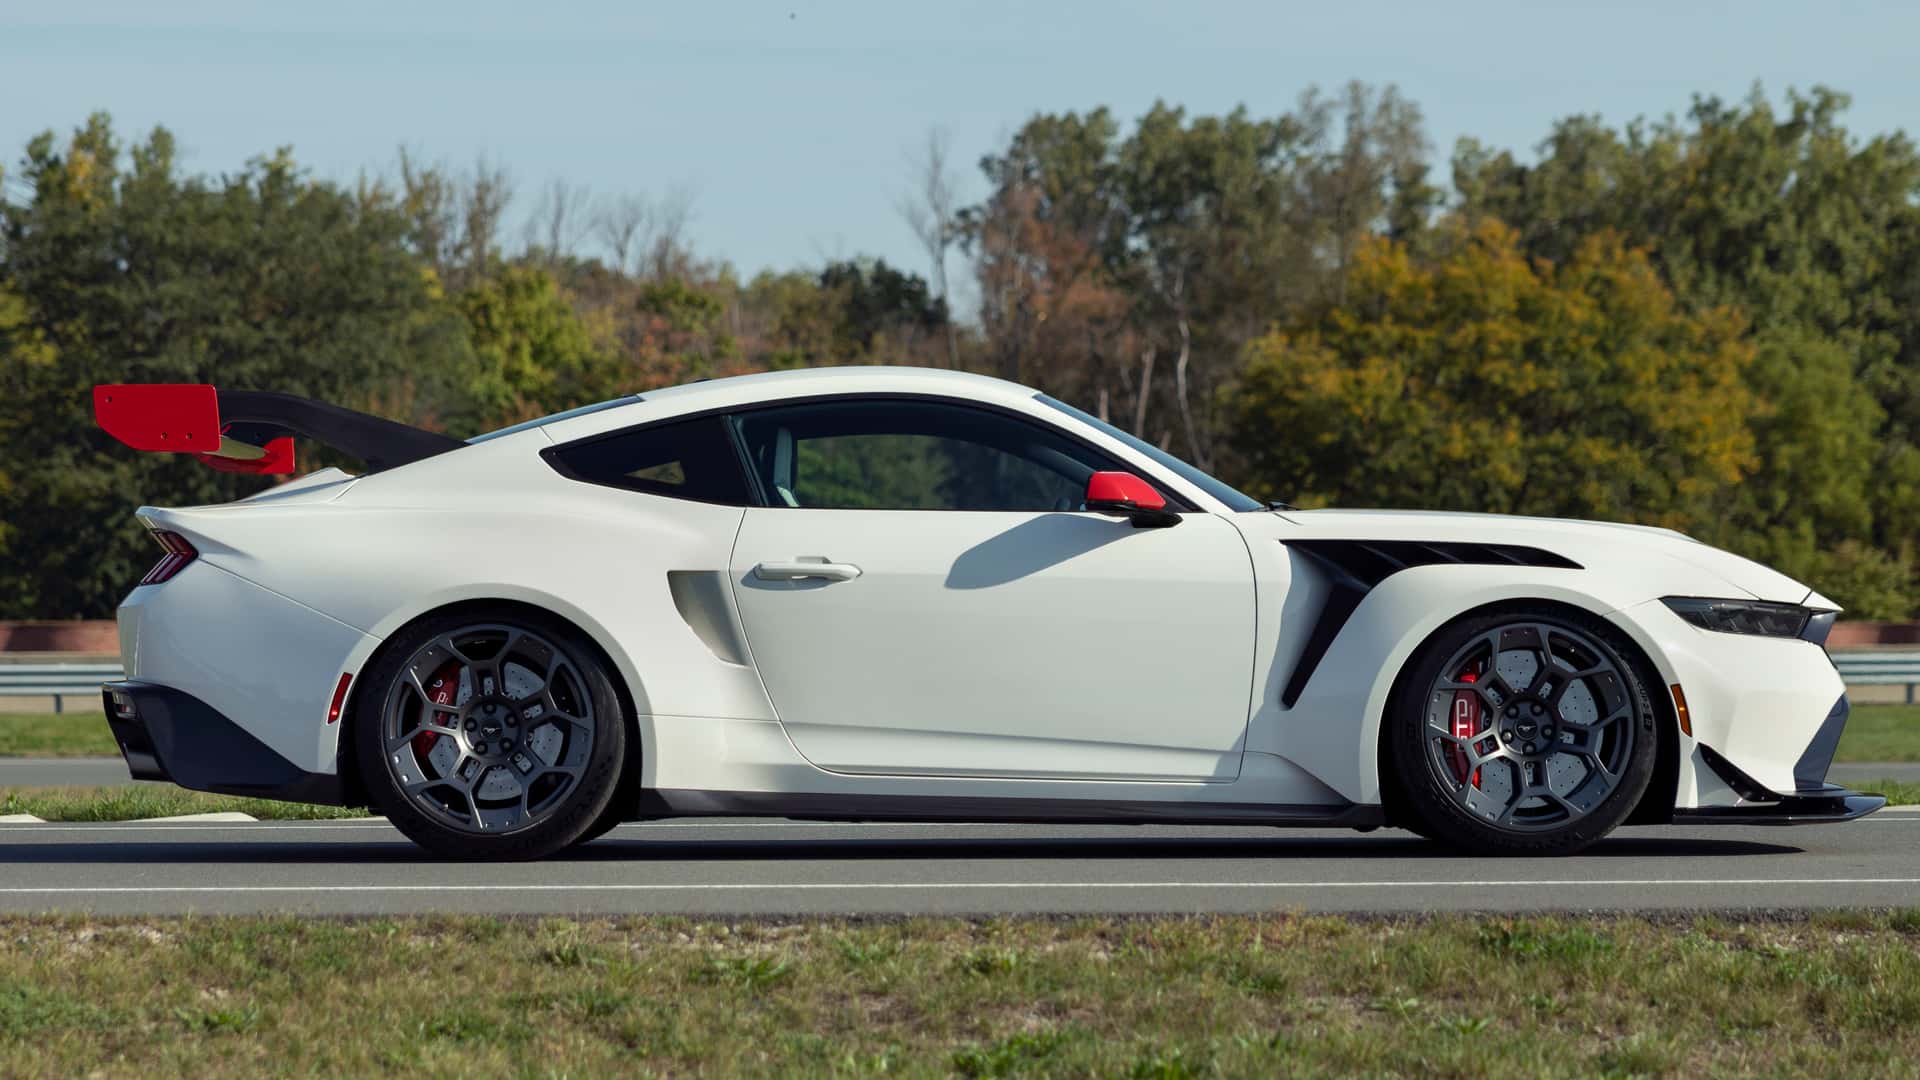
x: 1354, y: 567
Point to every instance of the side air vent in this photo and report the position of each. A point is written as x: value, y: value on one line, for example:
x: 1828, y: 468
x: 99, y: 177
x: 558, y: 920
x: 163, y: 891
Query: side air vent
x: 1354, y: 567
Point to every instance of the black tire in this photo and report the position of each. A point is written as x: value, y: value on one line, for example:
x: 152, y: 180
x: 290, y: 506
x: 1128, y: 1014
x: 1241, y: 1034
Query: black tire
x: 574, y: 803
x: 1449, y: 786
x: 616, y: 812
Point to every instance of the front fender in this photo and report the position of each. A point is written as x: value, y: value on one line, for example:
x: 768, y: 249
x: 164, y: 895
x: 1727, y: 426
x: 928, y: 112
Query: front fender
x: 1333, y: 729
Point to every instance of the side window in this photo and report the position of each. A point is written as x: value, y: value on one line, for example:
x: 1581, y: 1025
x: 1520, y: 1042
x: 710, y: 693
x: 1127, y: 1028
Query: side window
x: 691, y: 459
x: 913, y: 455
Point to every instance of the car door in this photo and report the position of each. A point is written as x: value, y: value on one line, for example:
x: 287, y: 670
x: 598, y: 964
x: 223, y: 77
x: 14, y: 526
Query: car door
x: 922, y: 594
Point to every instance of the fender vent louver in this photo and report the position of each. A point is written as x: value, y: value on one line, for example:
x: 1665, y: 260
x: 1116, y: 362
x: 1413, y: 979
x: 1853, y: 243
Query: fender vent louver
x: 1354, y: 567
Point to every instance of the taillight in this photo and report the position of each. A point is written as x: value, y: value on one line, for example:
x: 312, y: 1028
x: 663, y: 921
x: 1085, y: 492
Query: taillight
x: 179, y: 554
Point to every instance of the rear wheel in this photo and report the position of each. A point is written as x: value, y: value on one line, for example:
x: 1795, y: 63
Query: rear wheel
x: 491, y: 738
x: 1524, y: 732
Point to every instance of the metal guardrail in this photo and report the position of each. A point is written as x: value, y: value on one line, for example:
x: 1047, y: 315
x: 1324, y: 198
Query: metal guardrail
x: 57, y: 681
x: 1880, y: 669
x: 60, y: 681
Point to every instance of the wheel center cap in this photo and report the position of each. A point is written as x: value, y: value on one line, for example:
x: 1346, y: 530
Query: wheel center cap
x: 491, y: 727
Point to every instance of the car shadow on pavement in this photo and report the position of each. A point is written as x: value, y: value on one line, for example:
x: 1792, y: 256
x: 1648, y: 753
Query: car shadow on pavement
x: 627, y: 846
x: 1365, y: 848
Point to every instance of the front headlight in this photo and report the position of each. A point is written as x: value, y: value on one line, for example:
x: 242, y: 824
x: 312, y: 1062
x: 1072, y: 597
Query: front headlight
x: 1741, y: 616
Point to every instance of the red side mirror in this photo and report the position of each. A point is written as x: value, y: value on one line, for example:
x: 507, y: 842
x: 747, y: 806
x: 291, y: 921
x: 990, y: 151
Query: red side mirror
x: 1128, y: 496
x: 1121, y: 492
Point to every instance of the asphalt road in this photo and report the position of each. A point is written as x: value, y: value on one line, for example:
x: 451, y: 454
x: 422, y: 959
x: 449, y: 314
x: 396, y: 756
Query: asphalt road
x: 791, y: 868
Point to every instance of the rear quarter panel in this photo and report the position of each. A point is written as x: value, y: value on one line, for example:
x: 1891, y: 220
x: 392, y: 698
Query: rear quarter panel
x: 494, y: 522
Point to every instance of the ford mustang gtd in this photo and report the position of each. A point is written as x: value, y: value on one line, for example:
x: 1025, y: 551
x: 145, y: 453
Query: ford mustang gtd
x: 874, y: 593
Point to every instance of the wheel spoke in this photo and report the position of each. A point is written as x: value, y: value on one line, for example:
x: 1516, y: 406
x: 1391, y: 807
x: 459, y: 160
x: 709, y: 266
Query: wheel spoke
x: 1466, y: 744
x: 1596, y: 725
x: 416, y: 787
x: 1592, y: 758
x: 1485, y: 805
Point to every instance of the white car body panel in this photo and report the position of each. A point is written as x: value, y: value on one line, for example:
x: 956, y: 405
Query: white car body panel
x: 228, y: 641
x: 1004, y: 644
x: 1048, y: 656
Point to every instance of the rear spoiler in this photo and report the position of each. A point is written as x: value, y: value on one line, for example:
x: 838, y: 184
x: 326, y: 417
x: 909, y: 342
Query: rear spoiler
x: 251, y: 431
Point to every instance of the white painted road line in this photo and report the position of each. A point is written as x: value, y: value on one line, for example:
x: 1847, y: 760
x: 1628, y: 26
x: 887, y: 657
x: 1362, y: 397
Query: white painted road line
x: 117, y: 890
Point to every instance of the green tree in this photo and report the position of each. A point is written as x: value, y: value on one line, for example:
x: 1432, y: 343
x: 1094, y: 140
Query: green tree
x: 1811, y: 231
x: 1129, y: 271
x: 535, y: 355
x: 1483, y: 380
x: 119, y: 269
x: 876, y: 301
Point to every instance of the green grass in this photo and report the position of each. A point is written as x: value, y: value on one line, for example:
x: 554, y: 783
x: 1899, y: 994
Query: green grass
x: 150, y: 800
x: 1881, y: 733
x: 1834, y: 996
x: 1874, y: 733
x: 80, y: 732
x: 1898, y: 792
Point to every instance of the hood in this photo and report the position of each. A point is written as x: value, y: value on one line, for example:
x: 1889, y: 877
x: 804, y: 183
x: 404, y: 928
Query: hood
x: 1597, y: 544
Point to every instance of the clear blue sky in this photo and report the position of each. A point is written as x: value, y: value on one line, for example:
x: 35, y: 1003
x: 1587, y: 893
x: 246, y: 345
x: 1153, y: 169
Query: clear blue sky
x: 790, y: 121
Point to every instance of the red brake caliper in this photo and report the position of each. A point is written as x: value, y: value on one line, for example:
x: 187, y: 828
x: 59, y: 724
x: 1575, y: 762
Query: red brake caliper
x: 1466, y: 724
x: 442, y: 689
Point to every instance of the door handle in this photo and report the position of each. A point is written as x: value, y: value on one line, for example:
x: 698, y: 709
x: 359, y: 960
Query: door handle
x: 801, y: 569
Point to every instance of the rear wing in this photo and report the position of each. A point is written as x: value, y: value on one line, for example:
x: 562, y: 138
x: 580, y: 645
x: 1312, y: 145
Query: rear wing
x: 251, y: 431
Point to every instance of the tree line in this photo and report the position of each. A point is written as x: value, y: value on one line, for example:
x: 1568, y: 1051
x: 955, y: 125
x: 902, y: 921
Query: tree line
x: 1709, y: 322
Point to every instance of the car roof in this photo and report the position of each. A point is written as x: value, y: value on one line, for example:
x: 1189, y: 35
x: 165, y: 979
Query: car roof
x: 807, y: 381
x: 771, y: 386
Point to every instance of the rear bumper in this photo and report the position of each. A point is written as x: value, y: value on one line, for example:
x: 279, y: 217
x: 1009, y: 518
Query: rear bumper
x: 168, y: 734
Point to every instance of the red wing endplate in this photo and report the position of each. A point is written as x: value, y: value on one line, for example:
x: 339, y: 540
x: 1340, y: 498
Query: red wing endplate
x: 184, y: 418
x: 167, y: 417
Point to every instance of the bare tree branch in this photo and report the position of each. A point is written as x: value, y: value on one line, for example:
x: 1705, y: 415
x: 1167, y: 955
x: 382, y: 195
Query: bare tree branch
x: 666, y: 252
x: 929, y: 209
x: 622, y: 222
x: 559, y: 219
x: 484, y: 199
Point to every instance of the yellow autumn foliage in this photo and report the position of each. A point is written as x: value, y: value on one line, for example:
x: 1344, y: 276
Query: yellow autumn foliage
x: 1478, y: 379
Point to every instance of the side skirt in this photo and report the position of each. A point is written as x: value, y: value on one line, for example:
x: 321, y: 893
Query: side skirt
x: 808, y: 806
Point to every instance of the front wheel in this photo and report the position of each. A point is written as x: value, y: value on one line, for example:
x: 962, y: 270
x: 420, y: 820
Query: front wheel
x: 491, y: 737
x: 1524, y: 732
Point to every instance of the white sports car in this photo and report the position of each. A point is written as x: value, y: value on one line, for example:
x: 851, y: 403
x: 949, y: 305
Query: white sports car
x: 904, y: 594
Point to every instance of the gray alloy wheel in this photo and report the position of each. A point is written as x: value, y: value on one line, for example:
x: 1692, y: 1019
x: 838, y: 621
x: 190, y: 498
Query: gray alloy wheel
x: 1530, y: 732
x: 494, y: 737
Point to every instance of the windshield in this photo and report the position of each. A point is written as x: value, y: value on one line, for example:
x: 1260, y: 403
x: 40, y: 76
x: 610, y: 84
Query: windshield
x: 545, y: 420
x: 1234, y: 499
